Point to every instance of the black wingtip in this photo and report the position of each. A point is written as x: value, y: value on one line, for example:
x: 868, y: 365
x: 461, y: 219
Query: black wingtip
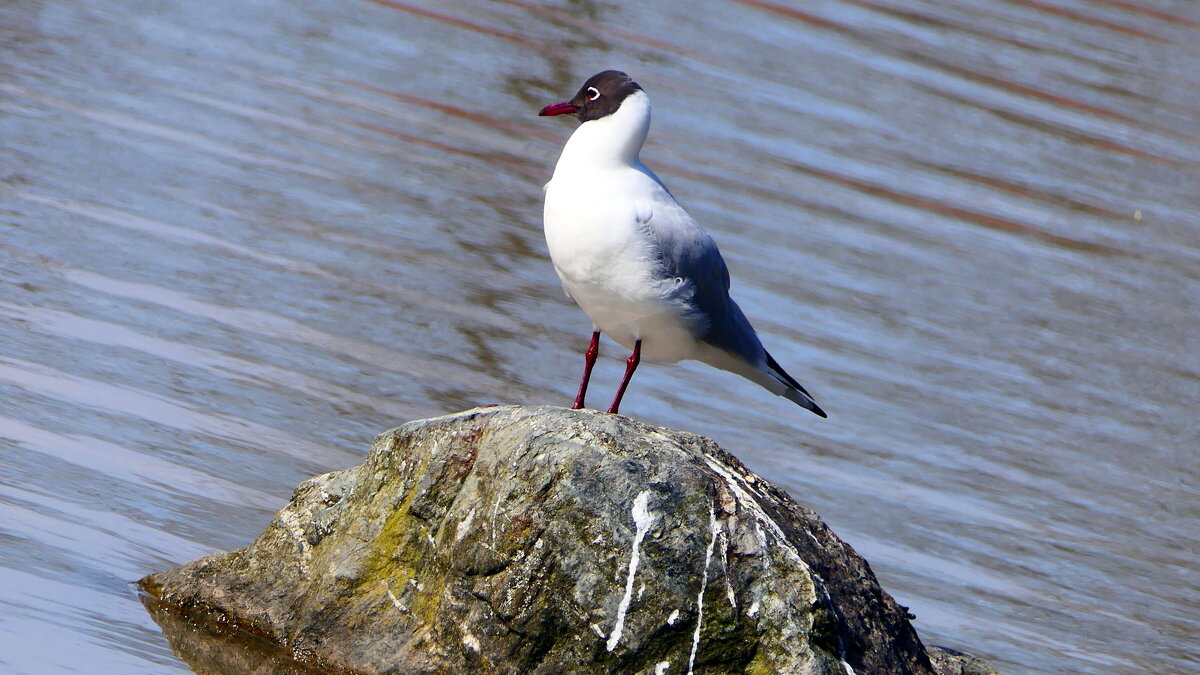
x: 801, y: 398
x: 805, y: 400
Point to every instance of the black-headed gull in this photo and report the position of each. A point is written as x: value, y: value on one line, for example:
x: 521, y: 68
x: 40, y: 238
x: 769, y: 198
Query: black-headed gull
x: 632, y: 258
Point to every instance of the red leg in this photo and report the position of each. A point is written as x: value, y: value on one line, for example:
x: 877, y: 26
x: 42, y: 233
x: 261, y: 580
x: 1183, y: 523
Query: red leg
x: 630, y: 365
x: 589, y: 361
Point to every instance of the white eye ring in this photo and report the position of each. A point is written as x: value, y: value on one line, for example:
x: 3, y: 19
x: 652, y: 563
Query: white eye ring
x: 593, y: 93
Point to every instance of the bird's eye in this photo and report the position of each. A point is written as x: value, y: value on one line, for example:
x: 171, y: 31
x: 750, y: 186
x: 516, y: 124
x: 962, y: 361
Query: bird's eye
x: 593, y: 93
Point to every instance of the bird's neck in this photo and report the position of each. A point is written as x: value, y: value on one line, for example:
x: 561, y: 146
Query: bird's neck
x: 610, y: 141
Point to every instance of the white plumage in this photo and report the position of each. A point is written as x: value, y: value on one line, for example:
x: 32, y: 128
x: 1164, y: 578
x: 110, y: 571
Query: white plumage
x: 629, y: 255
x: 597, y: 207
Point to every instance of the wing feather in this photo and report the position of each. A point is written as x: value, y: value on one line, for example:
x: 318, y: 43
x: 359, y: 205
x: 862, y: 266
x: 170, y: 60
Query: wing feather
x: 685, y: 251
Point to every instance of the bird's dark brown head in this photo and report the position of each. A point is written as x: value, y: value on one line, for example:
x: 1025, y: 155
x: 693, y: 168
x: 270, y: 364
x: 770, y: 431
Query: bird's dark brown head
x: 599, y: 97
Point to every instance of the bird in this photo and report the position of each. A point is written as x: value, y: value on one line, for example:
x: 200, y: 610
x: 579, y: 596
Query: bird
x: 647, y: 274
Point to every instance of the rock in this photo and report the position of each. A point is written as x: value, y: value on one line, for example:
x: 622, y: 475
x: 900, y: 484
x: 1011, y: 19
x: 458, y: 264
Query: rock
x: 543, y: 540
x: 948, y: 661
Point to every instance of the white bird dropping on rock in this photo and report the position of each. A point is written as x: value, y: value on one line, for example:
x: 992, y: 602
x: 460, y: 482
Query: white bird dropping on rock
x: 643, y: 518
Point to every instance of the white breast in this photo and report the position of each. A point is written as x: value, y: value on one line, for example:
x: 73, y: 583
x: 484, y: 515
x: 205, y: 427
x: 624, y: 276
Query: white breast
x: 596, y: 206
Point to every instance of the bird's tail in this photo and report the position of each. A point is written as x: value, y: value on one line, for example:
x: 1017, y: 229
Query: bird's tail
x: 792, y: 390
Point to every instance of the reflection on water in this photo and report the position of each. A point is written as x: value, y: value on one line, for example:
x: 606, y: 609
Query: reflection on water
x: 210, y: 644
x: 237, y: 240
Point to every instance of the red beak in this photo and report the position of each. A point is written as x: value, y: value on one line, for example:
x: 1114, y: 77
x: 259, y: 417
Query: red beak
x: 564, y: 108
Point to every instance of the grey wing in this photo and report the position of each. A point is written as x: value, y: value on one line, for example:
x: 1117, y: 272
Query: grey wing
x: 685, y: 251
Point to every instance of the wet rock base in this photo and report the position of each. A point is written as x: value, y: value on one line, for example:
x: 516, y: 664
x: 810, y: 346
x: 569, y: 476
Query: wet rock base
x: 541, y: 540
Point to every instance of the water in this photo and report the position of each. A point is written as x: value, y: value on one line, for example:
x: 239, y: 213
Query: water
x: 239, y: 239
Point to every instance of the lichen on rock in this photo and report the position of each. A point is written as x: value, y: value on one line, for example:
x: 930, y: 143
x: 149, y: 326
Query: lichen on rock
x: 544, y: 540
